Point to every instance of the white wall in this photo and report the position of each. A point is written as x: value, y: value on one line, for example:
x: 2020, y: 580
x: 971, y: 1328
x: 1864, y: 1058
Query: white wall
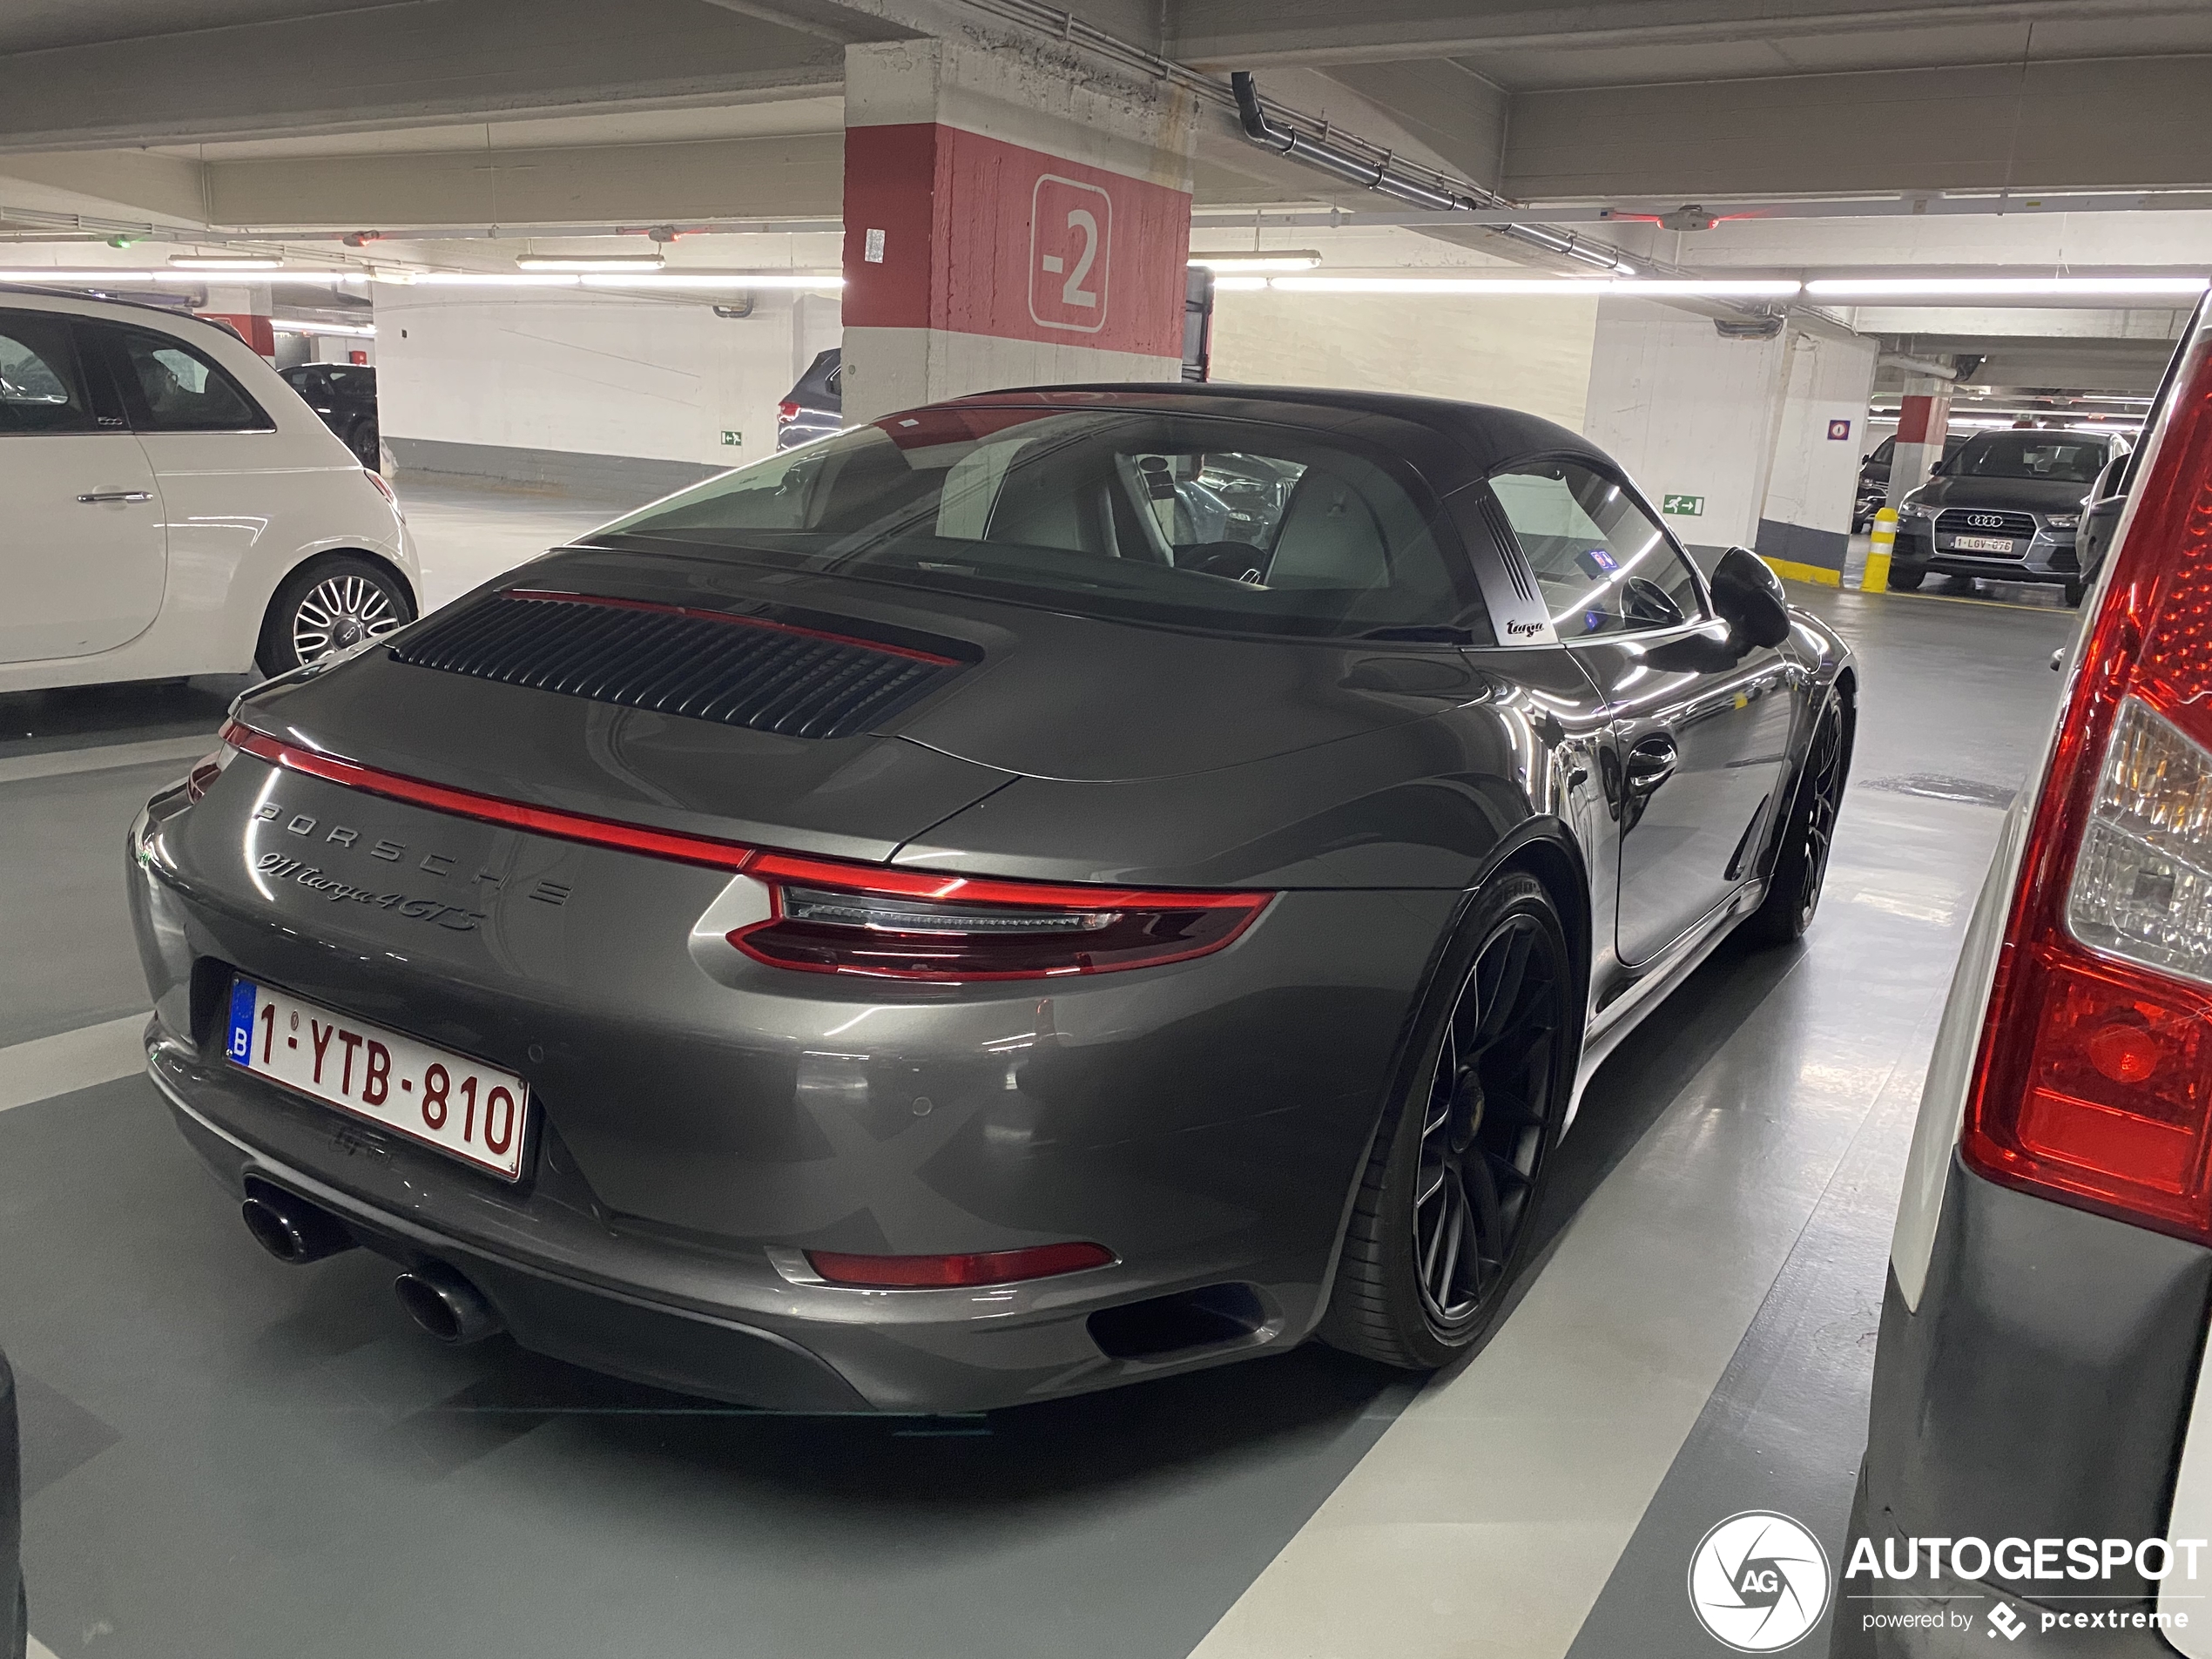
x: 659, y: 378
x: 1532, y: 354
x: 1813, y: 476
x: 1687, y: 413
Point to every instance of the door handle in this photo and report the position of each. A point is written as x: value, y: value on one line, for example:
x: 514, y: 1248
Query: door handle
x: 1651, y: 764
x: 115, y: 495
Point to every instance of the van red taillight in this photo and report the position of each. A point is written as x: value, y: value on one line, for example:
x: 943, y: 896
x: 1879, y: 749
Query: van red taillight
x: 831, y: 917
x: 944, y: 1272
x: 2094, y: 1085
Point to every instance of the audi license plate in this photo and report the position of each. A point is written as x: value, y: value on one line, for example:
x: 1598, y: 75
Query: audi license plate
x: 1983, y: 543
x: 463, y: 1107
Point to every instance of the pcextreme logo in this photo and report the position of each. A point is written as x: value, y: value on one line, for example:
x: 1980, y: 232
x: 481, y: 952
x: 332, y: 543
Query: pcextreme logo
x: 1758, y: 1581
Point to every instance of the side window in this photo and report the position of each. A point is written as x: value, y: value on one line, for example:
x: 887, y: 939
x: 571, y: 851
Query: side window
x: 41, y: 389
x: 1604, y: 566
x: 181, y: 391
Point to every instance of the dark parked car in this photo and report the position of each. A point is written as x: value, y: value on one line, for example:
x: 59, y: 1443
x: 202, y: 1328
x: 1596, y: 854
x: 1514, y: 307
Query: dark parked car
x: 2039, y: 1442
x: 1874, y: 477
x: 15, y: 1624
x: 344, y: 395
x: 2006, y: 508
x: 815, y: 407
x: 926, y: 922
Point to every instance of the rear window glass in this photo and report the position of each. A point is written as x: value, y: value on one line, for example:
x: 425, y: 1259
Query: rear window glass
x: 182, y: 391
x: 1132, y: 515
x: 2058, y: 456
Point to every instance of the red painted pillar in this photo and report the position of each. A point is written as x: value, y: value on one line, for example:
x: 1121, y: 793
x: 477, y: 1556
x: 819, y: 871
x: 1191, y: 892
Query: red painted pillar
x: 1007, y: 223
x: 1923, y: 421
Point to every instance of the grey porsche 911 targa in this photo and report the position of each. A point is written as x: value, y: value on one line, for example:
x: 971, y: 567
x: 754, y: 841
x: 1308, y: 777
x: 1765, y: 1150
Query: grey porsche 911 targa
x: 1030, y: 893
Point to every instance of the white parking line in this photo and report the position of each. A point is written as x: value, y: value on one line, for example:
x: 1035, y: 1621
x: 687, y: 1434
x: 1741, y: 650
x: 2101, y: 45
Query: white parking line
x: 104, y: 757
x: 1484, y: 1522
x: 45, y: 1067
x: 39, y: 1650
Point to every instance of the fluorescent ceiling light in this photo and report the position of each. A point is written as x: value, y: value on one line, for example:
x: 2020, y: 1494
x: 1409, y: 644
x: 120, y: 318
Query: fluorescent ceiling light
x: 727, y: 281
x: 1261, y: 261
x: 589, y: 262
x: 225, y: 261
x: 2002, y: 288
x: 111, y: 279
x: 723, y: 281
x: 301, y: 326
x: 1497, y: 287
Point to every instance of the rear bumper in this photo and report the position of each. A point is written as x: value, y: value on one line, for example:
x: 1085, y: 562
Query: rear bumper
x: 2039, y: 1392
x: 702, y: 1118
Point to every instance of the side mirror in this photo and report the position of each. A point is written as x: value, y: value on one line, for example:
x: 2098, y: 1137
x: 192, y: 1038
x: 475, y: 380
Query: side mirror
x: 1749, y: 599
x: 1936, y: 470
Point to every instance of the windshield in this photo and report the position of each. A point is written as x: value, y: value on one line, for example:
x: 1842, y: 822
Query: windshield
x: 2057, y: 457
x: 1126, y: 514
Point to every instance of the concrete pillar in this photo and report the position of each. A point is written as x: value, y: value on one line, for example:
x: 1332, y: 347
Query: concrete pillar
x: 1007, y: 222
x: 245, y: 307
x: 1819, y: 434
x: 1922, y: 422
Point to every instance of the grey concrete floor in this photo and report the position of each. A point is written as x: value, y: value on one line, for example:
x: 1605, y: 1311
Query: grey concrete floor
x: 229, y: 1458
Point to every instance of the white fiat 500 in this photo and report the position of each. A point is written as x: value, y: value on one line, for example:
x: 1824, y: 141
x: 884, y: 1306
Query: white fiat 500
x: 169, y: 506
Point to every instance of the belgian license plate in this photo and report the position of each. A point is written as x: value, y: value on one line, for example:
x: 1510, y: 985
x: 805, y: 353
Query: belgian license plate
x: 463, y: 1107
x: 1982, y: 544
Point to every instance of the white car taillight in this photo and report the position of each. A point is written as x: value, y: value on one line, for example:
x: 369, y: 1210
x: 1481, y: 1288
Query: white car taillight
x: 2093, y: 1083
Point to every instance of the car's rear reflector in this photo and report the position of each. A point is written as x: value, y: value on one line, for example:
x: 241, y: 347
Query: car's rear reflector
x: 830, y: 918
x: 2094, y: 1080
x: 946, y: 1273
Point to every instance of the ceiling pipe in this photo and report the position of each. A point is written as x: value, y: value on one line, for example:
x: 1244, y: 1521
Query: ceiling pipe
x: 1917, y: 365
x: 1385, y: 178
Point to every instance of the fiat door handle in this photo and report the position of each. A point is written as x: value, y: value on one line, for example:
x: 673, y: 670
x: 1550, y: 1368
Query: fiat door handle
x: 1651, y: 764
x: 115, y: 495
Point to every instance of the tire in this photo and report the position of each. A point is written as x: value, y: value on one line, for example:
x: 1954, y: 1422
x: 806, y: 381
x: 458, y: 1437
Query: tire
x: 1907, y: 577
x: 2075, y: 591
x: 326, y: 604
x: 368, y: 445
x: 1424, y: 1273
x: 1801, y: 864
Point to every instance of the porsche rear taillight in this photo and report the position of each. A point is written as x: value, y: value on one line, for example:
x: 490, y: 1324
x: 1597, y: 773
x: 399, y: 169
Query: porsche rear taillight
x: 206, y: 769
x: 2094, y: 1084
x: 831, y: 918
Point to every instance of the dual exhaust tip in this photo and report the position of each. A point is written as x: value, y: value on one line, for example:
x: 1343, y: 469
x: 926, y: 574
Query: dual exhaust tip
x: 437, y: 1297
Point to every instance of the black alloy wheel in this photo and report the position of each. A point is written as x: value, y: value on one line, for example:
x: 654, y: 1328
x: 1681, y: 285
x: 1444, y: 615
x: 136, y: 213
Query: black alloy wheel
x: 1442, y: 1224
x: 1906, y: 577
x: 330, y: 603
x: 366, y: 444
x: 1801, y: 863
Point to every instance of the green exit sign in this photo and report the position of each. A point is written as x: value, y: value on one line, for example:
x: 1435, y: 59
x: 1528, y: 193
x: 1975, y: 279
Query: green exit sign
x: 732, y: 440
x: 1683, y: 506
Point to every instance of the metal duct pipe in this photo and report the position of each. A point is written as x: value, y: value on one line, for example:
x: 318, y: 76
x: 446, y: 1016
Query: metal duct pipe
x: 1917, y: 365
x: 1381, y: 176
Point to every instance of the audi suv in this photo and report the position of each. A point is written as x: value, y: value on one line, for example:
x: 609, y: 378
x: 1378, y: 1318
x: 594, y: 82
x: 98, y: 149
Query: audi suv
x: 2006, y: 508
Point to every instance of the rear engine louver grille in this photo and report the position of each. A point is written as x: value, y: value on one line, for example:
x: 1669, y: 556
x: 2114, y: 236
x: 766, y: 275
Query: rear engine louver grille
x: 742, y: 670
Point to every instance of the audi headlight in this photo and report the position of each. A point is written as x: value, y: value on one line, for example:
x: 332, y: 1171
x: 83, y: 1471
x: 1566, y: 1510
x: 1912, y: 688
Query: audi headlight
x: 1914, y: 510
x: 2061, y: 521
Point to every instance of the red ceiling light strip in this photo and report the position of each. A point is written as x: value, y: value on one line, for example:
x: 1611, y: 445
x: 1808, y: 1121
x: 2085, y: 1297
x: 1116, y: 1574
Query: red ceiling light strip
x: 553, y: 596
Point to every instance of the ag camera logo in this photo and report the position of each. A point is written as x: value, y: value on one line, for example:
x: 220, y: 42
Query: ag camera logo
x: 1758, y: 1581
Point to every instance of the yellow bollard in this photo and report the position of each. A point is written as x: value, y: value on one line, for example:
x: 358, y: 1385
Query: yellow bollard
x: 1877, y: 576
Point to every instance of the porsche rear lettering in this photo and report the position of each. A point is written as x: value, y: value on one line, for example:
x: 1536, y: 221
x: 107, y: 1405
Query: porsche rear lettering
x: 389, y: 852
x: 318, y: 880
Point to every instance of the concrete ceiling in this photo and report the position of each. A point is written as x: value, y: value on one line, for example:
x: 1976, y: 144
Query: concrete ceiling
x: 276, y: 115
